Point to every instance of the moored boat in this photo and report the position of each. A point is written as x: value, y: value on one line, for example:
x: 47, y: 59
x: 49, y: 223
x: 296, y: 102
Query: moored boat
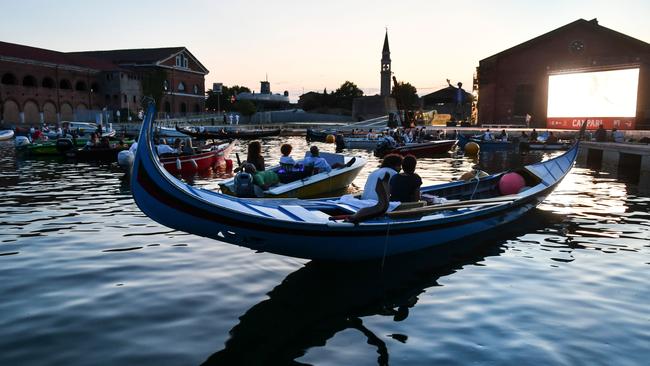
x: 489, y: 145
x: 214, y: 158
x: 360, y: 143
x: 6, y: 135
x: 537, y: 145
x: 307, y: 186
x: 309, y: 228
x: 417, y: 149
x: 47, y: 148
x: 229, y: 134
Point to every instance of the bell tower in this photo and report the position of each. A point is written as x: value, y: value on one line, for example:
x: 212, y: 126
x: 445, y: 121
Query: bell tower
x: 385, y: 68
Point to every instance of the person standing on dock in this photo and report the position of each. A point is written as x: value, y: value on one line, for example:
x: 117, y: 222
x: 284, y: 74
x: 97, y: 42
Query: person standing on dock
x: 601, y: 134
x: 236, y: 119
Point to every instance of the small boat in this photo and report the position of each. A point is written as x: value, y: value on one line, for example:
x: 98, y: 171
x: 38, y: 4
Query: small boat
x: 47, y: 148
x: 6, y: 135
x: 310, y: 228
x: 490, y: 145
x: 417, y: 149
x: 361, y: 143
x: 169, y: 132
x: 103, y: 154
x: 214, y: 157
x: 307, y: 186
x: 229, y: 134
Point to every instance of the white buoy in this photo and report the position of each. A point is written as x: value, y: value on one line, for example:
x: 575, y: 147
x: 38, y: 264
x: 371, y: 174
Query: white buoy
x: 178, y: 164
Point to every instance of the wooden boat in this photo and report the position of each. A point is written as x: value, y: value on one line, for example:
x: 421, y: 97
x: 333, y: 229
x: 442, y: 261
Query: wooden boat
x: 229, y: 134
x: 311, y: 185
x: 214, y: 157
x: 103, y: 154
x: 6, y: 135
x: 419, y: 149
x: 490, y: 145
x: 305, y: 229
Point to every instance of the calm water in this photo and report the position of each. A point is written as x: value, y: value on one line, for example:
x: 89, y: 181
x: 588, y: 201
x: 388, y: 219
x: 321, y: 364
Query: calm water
x: 87, y: 279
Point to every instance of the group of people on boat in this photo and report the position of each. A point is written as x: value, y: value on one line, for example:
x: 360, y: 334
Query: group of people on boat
x: 179, y: 147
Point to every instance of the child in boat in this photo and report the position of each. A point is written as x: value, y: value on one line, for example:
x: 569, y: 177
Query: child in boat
x: 314, y: 160
x: 405, y: 187
x: 255, y: 155
x: 391, y: 164
x: 286, y: 161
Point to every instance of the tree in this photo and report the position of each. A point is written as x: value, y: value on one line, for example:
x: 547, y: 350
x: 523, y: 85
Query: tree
x: 346, y: 93
x: 245, y: 107
x: 406, y: 95
x: 224, y: 99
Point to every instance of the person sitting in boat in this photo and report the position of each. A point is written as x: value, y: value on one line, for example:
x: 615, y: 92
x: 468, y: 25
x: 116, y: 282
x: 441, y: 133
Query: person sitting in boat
x: 163, y: 149
x: 503, y: 136
x: 405, y: 186
x: 188, y: 149
x: 178, y: 146
x: 533, y: 135
x: 391, y: 164
x: 286, y: 161
x: 487, y: 135
x: 104, y: 143
x: 314, y: 160
x: 92, y: 142
x: 389, y: 141
x: 371, y: 135
x: 618, y: 135
x: 255, y: 155
x: 551, y: 139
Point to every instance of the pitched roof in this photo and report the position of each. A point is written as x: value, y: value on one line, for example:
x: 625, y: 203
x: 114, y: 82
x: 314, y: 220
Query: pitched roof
x: 133, y: 56
x: 445, y: 95
x: 593, y: 24
x: 140, y: 56
x: 53, y: 57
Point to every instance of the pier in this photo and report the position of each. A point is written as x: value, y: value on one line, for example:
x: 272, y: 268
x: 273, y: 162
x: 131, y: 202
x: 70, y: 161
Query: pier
x: 628, y: 159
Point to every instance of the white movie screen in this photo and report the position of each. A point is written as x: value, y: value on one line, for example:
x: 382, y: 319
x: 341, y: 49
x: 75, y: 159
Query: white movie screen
x: 593, y: 94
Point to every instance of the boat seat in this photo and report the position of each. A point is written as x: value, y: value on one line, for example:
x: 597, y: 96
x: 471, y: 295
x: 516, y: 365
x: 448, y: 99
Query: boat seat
x: 304, y: 214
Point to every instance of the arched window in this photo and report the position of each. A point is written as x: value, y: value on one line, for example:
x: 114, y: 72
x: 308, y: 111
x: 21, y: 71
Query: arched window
x: 80, y: 86
x: 196, y: 89
x: 47, y: 83
x: 94, y: 87
x: 29, y: 81
x: 65, y: 84
x: 9, y: 79
x: 197, y: 108
x: 183, y: 108
x: 181, y: 86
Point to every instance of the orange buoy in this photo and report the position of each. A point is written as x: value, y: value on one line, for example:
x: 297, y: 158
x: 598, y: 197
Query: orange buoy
x: 472, y: 148
x: 330, y: 139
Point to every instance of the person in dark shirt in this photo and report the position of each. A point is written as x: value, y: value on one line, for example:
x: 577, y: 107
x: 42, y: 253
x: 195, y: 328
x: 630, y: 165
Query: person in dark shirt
x: 533, y: 135
x: 255, y: 155
x: 600, y: 134
x: 405, y: 187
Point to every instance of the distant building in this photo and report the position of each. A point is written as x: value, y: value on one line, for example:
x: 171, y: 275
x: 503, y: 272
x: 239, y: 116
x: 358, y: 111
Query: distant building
x: 265, y: 100
x: 45, y: 86
x: 515, y: 82
x: 379, y: 105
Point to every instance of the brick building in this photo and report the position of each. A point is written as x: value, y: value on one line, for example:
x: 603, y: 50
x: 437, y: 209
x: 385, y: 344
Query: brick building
x: 38, y: 85
x: 515, y: 82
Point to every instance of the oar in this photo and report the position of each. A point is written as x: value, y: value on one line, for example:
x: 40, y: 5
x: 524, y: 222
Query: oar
x: 449, y: 206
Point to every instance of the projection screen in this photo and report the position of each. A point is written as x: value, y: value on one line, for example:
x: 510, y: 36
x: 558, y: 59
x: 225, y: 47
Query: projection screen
x: 601, y: 97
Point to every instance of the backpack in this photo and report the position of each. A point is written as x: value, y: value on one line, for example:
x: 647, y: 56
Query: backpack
x: 244, y: 186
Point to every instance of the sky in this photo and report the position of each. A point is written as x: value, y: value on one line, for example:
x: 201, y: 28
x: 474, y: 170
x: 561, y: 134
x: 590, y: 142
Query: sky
x: 308, y: 45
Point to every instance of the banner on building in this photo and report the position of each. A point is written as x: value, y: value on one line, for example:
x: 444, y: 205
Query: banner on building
x: 574, y: 123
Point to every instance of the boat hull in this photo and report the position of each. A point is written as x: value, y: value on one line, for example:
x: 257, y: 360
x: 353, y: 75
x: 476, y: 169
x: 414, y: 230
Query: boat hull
x: 6, y: 135
x: 486, y: 145
x: 421, y: 150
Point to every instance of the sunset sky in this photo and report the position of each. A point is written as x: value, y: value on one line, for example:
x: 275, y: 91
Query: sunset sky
x: 312, y: 45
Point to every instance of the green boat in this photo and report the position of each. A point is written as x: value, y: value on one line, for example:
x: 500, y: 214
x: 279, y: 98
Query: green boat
x: 44, y: 148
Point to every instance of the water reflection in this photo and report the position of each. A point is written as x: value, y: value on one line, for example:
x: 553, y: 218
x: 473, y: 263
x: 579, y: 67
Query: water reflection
x: 319, y: 300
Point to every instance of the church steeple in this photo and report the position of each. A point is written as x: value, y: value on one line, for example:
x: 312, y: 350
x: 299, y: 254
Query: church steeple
x: 385, y: 68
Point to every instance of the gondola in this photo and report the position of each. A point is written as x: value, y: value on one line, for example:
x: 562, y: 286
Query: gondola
x: 103, y: 154
x: 417, y: 149
x: 310, y: 229
x: 229, y: 134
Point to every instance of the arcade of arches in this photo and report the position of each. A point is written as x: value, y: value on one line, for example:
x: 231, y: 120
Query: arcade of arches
x: 31, y: 113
